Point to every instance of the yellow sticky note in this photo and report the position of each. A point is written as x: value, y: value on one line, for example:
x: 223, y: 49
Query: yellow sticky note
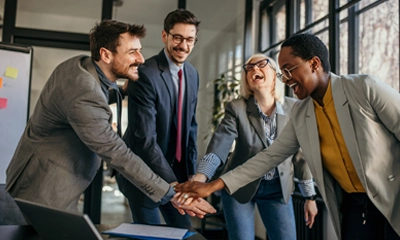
x: 1, y: 82
x: 11, y: 72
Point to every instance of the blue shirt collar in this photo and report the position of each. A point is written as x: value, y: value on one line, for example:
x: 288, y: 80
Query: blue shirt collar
x: 106, y: 83
x: 173, y: 68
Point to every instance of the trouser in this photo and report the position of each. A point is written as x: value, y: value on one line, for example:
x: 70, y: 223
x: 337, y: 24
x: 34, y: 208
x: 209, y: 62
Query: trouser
x: 171, y: 216
x: 277, y: 216
x: 362, y: 220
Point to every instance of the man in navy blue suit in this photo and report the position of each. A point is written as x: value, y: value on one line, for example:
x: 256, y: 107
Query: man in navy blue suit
x: 162, y: 118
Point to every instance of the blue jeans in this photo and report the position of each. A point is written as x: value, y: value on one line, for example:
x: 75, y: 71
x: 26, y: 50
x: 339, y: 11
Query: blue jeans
x: 171, y: 216
x: 278, y: 217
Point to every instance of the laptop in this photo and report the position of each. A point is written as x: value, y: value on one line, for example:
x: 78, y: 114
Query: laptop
x: 51, y: 223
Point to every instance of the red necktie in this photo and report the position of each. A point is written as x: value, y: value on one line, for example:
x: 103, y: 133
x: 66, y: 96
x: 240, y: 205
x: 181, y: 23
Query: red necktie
x: 178, y: 152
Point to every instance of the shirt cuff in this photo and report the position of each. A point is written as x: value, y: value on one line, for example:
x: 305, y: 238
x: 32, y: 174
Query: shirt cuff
x: 208, y: 165
x: 167, y: 197
x: 307, y: 188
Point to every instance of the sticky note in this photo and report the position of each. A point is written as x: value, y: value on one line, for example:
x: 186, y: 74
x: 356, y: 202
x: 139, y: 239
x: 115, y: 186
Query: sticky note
x: 3, y: 103
x: 11, y: 72
x: 1, y: 82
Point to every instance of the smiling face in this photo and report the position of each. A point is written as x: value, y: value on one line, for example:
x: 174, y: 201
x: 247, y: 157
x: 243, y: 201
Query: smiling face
x: 127, y: 58
x: 260, y: 78
x: 304, y: 81
x: 178, y: 52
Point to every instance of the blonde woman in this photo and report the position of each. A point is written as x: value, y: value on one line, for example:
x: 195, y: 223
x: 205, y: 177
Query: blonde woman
x: 253, y: 122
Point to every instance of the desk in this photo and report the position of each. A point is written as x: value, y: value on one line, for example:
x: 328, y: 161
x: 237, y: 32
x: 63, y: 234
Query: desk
x: 27, y: 232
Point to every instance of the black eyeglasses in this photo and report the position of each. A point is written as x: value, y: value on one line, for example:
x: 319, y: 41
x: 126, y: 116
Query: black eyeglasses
x: 286, y: 74
x: 178, y: 39
x: 260, y: 64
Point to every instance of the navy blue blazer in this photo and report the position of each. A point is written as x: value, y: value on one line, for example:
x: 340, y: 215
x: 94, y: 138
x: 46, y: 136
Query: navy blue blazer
x: 151, y: 133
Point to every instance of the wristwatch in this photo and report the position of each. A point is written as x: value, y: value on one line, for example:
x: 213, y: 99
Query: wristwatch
x: 313, y: 197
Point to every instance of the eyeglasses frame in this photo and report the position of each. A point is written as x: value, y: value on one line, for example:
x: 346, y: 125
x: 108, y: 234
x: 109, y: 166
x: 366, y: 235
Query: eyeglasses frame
x: 281, y: 75
x: 255, y: 64
x: 182, y: 39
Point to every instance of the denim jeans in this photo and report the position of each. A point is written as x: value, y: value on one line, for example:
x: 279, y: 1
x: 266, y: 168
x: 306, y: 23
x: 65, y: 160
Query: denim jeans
x: 171, y: 216
x: 278, y: 217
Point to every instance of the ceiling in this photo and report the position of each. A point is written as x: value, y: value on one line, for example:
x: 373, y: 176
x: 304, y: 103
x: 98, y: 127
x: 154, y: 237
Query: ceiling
x: 214, y: 14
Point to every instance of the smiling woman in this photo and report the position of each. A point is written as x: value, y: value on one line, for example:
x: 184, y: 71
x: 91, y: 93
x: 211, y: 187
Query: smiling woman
x: 253, y: 122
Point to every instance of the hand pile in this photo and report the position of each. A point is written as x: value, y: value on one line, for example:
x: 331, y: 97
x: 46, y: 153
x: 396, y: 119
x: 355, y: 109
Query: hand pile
x: 190, y: 202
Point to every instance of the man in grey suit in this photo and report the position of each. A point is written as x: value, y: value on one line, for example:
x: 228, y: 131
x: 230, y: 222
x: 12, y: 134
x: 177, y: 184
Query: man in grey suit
x: 156, y: 133
x: 69, y: 131
x: 347, y: 127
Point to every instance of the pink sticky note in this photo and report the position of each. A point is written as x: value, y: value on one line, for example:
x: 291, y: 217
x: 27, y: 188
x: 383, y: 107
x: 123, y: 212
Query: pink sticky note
x: 3, y: 103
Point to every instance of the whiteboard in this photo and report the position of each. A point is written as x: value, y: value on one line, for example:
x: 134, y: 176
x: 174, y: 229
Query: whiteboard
x: 15, y: 81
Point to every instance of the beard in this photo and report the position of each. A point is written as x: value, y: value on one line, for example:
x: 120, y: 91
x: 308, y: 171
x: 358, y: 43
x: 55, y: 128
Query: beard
x: 174, y: 59
x: 121, y: 72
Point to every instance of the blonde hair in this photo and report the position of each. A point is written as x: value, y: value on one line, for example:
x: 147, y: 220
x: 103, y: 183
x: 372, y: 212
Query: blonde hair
x: 245, y: 90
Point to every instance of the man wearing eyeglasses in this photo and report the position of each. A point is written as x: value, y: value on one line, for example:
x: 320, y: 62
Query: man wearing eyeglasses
x: 162, y: 127
x: 348, y: 128
x: 70, y: 132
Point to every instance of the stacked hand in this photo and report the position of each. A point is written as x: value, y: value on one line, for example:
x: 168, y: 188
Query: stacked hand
x: 194, y: 206
x: 196, y: 188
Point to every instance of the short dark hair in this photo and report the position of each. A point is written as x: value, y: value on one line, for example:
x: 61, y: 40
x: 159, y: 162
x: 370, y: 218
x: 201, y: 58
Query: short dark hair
x: 180, y: 16
x: 107, y: 33
x: 306, y: 46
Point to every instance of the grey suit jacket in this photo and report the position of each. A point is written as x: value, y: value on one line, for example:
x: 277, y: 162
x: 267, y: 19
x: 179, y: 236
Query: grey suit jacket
x: 243, y: 124
x: 65, y: 139
x: 368, y: 111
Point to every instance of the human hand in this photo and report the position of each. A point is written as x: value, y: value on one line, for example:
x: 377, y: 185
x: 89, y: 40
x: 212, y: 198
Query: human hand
x: 197, y: 207
x: 194, y: 189
x: 199, y: 177
x: 310, y: 211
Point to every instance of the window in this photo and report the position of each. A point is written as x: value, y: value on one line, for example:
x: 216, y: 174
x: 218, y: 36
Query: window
x: 368, y: 30
x: 379, y: 27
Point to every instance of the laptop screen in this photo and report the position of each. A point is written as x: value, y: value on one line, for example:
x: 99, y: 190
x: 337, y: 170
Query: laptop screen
x: 52, y: 223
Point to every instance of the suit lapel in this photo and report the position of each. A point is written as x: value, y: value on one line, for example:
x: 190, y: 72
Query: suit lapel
x: 281, y: 118
x: 166, y: 77
x: 255, y: 120
x: 346, y: 124
x: 313, y: 140
x: 190, y: 93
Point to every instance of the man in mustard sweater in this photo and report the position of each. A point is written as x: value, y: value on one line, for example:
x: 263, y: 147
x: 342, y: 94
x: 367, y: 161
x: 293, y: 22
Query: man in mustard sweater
x: 347, y: 127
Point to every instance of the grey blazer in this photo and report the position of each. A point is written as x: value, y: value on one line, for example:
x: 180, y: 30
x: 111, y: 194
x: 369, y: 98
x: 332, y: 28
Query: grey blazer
x: 368, y: 111
x: 65, y: 139
x: 243, y: 124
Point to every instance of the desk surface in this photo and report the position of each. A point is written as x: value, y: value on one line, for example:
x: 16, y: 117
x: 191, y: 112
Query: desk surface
x: 27, y: 232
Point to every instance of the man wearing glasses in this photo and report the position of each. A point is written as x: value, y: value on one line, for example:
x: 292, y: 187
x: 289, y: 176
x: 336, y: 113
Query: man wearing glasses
x: 162, y: 127
x: 348, y: 128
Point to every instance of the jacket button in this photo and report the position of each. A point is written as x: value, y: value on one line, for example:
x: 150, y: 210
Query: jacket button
x: 282, y: 174
x: 391, y: 178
